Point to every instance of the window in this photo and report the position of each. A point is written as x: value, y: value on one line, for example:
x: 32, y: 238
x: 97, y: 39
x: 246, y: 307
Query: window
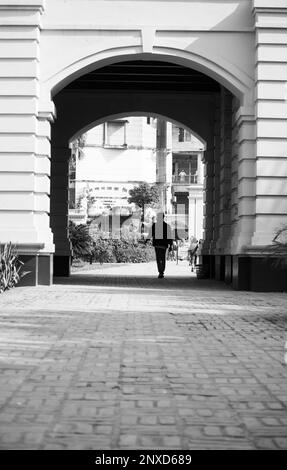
x: 183, y: 135
x: 115, y: 134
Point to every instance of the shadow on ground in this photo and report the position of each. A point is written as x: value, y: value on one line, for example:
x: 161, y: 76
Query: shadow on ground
x: 141, y: 282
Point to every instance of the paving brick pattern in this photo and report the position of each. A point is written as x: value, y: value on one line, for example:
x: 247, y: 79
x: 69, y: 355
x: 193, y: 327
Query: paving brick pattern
x: 118, y: 359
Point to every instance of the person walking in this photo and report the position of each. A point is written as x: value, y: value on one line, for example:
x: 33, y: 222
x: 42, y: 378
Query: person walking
x: 161, y: 236
x: 193, y: 246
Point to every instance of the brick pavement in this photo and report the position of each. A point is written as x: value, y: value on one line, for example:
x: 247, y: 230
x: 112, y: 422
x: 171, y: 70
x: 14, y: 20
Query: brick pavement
x: 117, y: 359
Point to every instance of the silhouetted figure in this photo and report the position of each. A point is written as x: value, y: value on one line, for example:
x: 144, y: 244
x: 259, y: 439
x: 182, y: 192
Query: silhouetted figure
x: 160, y: 234
x: 193, y: 246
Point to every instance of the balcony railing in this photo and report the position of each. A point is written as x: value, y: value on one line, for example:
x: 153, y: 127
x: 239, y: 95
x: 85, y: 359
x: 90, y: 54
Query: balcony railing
x: 181, y: 179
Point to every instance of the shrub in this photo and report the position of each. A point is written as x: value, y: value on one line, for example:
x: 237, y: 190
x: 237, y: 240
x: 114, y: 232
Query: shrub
x: 127, y: 251
x: 102, y: 251
x: 121, y: 250
x: 278, y: 249
x: 10, y: 267
x: 82, y: 243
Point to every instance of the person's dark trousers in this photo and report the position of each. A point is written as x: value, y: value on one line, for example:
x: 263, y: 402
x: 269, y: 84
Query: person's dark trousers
x: 160, y: 254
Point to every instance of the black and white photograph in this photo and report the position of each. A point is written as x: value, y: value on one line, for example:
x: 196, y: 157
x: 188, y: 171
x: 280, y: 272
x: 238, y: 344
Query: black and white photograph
x: 143, y: 229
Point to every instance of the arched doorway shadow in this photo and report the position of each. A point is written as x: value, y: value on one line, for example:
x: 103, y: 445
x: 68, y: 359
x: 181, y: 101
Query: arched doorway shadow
x: 125, y: 280
x: 79, y: 108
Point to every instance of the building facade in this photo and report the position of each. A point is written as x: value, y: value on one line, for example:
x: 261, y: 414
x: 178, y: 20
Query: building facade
x: 216, y: 67
x: 118, y: 155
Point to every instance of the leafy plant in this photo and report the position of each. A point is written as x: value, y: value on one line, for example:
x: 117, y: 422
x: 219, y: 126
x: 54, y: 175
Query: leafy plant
x: 81, y: 240
x: 102, y: 251
x: 10, y: 267
x: 144, y: 195
x: 121, y: 250
x: 278, y: 249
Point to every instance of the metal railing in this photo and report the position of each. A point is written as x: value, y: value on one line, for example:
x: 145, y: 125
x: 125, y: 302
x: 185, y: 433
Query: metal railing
x: 187, y: 179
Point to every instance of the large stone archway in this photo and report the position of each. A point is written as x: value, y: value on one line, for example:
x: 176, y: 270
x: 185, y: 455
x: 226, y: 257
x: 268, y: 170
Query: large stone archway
x: 241, y: 45
x: 208, y: 109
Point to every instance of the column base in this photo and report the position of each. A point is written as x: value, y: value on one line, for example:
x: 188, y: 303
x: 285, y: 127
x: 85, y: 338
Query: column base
x: 62, y: 266
x: 250, y: 273
x: 38, y: 270
x: 204, y: 261
x: 228, y: 269
x: 259, y: 274
x: 219, y: 267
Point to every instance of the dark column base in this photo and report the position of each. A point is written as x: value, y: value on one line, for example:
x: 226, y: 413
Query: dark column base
x: 261, y: 275
x: 228, y: 269
x: 248, y: 273
x: 219, y: 267
x: 45, y: 270
x: 203, y: 267
x: 62, y: 266
x: 212, y: 267
x: 38, y: 270
x: 241, y: 268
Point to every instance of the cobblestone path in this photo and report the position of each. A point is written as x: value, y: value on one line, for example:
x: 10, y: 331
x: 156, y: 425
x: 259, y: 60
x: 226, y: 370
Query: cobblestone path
x: 118, y: 359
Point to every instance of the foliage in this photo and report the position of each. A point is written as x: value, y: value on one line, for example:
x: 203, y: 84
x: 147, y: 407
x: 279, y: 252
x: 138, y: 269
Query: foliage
x: 77, y: 149
x: 81, y: 240
x: 278, y: 249
x: 10, y: 267
x: 128, y: 251
x: 102, y: 251
x: 87, y: 195
x: 121, y: 250
x: 144, y: 195
x: 102, y: 248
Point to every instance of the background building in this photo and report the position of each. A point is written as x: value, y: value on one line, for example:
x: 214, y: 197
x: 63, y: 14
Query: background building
x: 115, y: 156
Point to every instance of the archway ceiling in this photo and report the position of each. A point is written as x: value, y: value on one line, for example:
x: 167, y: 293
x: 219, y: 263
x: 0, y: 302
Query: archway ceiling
x: 145, y: 76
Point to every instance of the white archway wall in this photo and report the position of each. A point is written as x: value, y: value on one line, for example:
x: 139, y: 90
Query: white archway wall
x: 192, y: 110
x: 271, y: 118
x: 27, y: 55
x: 42, y: 43
x: 71, y: 44
x: 24, y: 132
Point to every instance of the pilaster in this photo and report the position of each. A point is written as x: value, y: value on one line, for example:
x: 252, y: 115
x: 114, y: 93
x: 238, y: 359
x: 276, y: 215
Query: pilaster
x: 24, y: 133
x: 223, y: 241
x: 271, y: 118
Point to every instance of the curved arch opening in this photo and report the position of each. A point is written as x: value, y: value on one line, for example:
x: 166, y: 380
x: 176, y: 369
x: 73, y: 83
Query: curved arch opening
x: 138, y: 114
x: 122, y: 152
x: 227, y: 75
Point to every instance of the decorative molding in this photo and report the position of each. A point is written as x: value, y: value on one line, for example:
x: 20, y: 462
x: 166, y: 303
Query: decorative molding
x: 244, y: 114
x: 47, y: 110
x: 22, y: 5
x: 148, y: 38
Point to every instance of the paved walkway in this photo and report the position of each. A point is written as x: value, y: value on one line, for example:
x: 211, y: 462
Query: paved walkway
x: 119, y: 359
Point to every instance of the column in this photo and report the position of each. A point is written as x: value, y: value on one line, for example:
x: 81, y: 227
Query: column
x: 223, y: 242
x: 60, y: 209
x: 161, y: 150
x: 200, y: 168
x: 195, y: 211
x: 24, y: 141
x: 244, y: 171
x: 219, y: 259
x: 208, y: 187
x: 271, y: 118
x: 234, y: 176
x: 216, y: 171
